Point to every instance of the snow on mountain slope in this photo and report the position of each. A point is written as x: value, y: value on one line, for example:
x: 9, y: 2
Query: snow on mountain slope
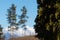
x: 18, y: 33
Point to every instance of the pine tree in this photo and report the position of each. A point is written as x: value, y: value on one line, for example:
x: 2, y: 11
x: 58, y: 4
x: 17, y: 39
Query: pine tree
x: 12, y: 15
x: 48, y: 19
x: 12, y: 18
x: 2, y: 37
x: 1, y: 31
x: 23, y: 18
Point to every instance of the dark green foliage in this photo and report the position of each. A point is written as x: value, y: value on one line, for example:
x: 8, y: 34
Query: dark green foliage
x: 13, y: 20
x: 12, y: 15
x: 47, y: 17
x: 1, y: 28
x: 1, y: 31
x: 23, y: 16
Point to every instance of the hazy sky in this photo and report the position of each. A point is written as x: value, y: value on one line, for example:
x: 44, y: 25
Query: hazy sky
x: 31, y: 6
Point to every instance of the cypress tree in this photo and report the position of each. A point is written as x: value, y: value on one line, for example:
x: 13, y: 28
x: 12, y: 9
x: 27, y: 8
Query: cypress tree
x: 47, y: 22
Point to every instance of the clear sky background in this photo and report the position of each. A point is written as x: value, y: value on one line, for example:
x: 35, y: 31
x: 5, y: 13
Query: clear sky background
x: 31, y: 6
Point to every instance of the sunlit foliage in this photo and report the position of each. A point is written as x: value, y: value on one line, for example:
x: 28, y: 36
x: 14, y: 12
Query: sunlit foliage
x: 47, y: 22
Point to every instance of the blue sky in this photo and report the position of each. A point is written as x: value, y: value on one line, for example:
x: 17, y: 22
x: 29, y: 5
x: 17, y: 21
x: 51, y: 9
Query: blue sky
x: 31, y: 6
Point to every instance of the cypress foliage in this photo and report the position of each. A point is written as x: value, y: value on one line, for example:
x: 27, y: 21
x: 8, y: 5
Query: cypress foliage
x: 48, y: 20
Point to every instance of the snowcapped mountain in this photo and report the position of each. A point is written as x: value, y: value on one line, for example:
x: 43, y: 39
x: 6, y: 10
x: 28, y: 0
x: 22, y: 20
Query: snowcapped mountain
x: 18, y: 33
